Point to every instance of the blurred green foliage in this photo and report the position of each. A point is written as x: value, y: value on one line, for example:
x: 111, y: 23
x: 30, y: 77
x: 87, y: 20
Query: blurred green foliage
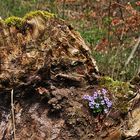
x: 16, y: 7
x: 93, y: 35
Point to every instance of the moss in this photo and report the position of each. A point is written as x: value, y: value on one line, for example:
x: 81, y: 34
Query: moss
x: 14, y: 21
x: 44, y: 14
x: 115, y: 86
x: 18, y: 22
x: 121, y: 92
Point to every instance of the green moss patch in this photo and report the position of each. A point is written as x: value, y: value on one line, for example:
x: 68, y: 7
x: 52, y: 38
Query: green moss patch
x: 44, y: 14
x: 121, y: 92
x: 14, y: 21
x: 115, y: 86
x: 18, y: 22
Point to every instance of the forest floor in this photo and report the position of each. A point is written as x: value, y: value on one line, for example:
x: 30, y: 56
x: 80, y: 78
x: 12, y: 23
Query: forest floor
x: 62, y: 114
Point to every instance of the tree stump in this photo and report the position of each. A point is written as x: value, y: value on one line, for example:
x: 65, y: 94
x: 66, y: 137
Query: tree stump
x: 41, y: 46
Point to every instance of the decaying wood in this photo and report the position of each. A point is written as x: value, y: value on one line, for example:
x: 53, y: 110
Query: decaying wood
x: 42, y: 47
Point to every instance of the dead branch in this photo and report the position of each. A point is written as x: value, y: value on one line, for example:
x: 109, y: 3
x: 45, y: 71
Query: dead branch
x: 133, y: 52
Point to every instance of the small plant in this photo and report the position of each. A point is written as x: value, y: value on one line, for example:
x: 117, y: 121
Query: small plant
x: 99, y: 102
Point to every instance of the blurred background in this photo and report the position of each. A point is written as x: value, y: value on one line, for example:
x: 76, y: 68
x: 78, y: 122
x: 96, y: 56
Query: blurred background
x: 110, y: 27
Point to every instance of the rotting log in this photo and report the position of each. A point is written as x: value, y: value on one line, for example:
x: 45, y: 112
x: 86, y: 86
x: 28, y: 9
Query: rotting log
x: 41, y: 46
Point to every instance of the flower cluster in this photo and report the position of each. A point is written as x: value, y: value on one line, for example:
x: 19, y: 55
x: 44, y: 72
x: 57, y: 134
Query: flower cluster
x: 99, y: 102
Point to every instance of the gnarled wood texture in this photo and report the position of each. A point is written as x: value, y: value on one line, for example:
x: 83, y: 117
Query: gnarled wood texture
x: 41, y: 46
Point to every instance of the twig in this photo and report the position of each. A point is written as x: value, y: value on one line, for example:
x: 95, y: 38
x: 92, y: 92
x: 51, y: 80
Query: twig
x: 120, y: 8
x: 0, y: 63
x: 115, y: 65
x: 133, y: 51
x: 109, y: 25
x: 63, y: 16
x: 13, y: 114
x: 139, y: 70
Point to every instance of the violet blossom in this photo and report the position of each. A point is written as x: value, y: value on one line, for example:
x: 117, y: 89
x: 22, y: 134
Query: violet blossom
x: 99, y: 102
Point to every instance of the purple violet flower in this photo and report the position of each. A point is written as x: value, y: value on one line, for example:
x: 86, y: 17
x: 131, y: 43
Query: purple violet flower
x: 99, y: 102
x: 87, y: 97
x: 95, y: 95
x: 109, y: 104
x: 106, y: 99
x: 97, y: 105
x: 91, y: 105
x: 104, y: 91
x: 102, y: 102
